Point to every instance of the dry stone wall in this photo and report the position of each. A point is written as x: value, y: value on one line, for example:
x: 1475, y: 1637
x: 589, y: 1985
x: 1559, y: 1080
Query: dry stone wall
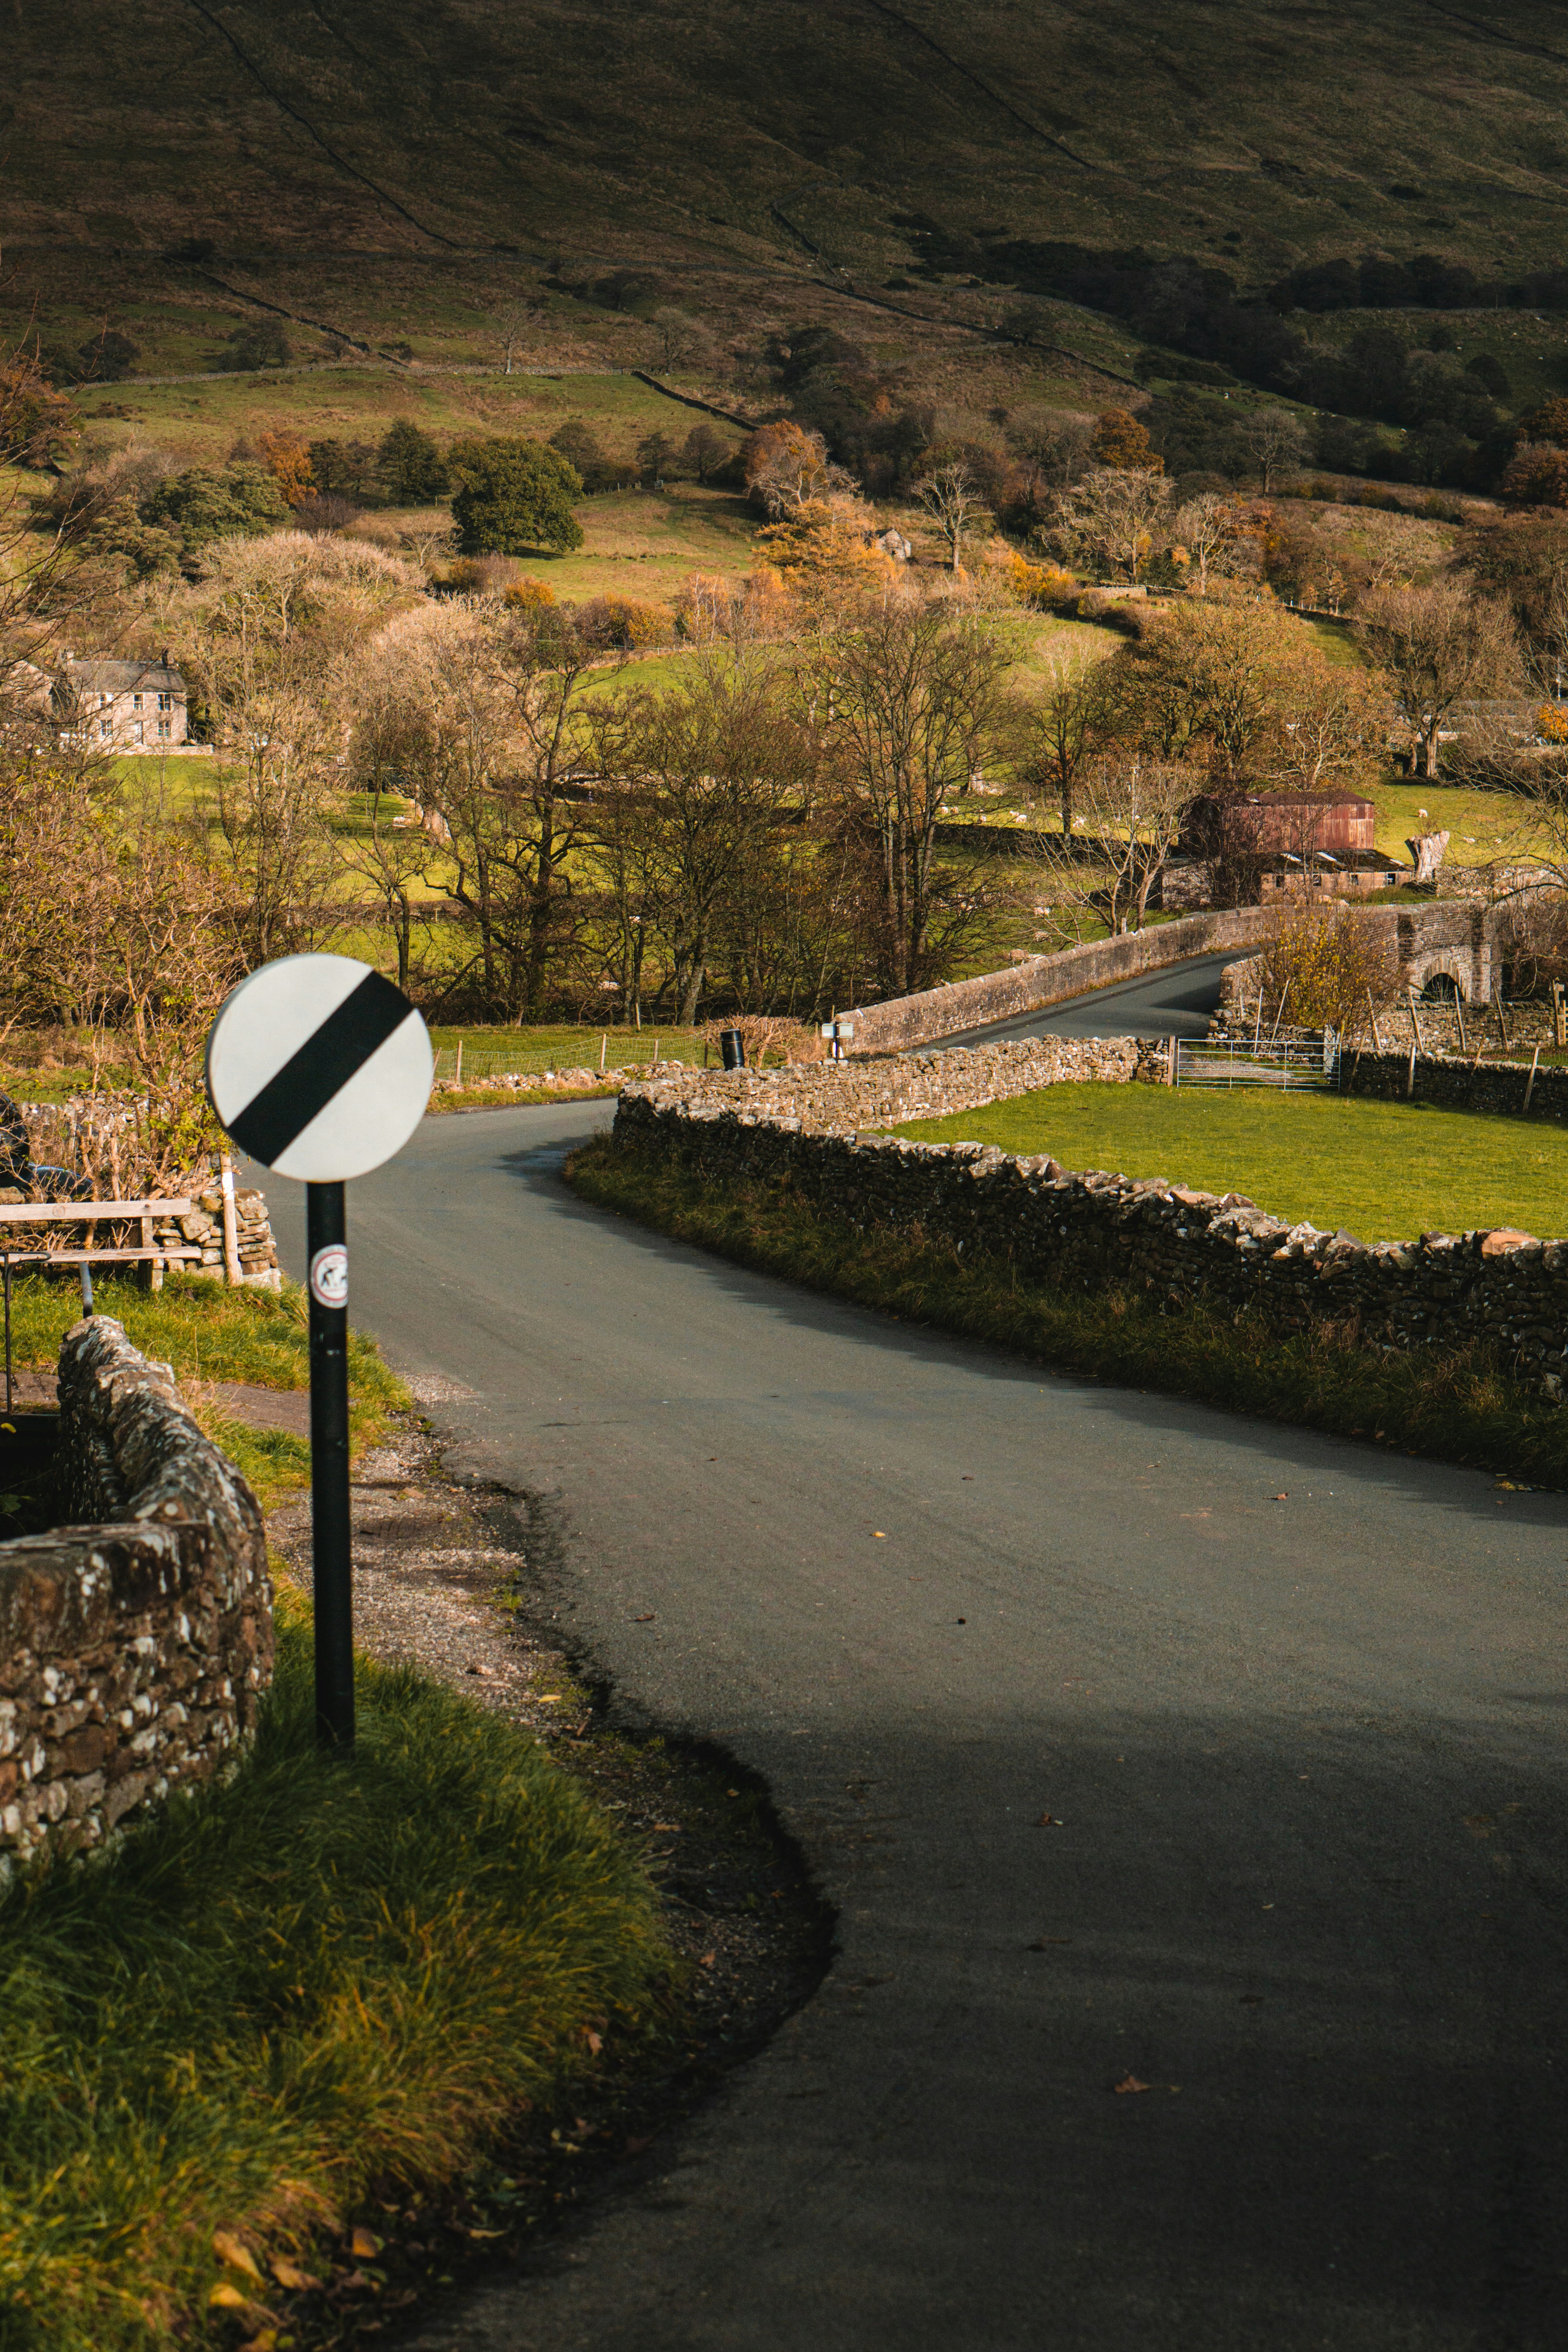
x: 885, y: 1092
x: 1092, y: 1231
x: 134, y: 1647
x: 1040, y: 981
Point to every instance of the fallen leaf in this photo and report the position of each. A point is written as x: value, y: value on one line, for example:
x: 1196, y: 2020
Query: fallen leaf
x: 486, y: 2233
x: 595, y: 2041
x: 665, y: 1829
x: 236, y: 2253
x: 644, y: 1621
x: 1050, y: 1822
x: 880, y: 1536
x: 1130, y: 2083
x: 1282, y: 1498
x: 707, y: 1959
x: 266, y: 2341
x: 227, y: 2297
x: 364, y: 2247
x: 355, y: 2279
x: 290, y: 2276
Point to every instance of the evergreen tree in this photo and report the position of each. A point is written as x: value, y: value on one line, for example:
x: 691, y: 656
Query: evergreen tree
x: 513, y: 496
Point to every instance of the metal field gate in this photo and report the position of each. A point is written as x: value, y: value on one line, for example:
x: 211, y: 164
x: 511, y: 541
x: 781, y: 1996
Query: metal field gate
x: 1293, y: 1061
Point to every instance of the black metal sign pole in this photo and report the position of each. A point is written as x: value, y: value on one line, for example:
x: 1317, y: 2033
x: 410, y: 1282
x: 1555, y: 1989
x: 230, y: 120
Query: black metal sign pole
x: 331, y: 1536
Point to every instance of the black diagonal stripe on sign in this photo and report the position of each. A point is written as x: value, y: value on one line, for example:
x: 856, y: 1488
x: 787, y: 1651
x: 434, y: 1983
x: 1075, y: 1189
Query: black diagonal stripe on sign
x: 325, y: 1063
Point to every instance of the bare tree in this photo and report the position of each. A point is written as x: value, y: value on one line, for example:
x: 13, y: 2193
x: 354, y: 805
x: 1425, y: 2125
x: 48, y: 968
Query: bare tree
x: 952, y: 499
x: 510, y: 323
x: 273, y: 789
x: 1115, y: 517
x: 1437, y: 648
x: 1130, y: 817
x: 1061, y: 732
x: 1273, y: 440
x: 682, y: 339
x: 712, y: 764
x: 910, y: 702
x: 1205, y: 527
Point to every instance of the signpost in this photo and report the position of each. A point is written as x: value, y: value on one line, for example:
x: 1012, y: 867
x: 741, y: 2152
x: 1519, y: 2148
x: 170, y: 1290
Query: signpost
x: 838, y: 1031
x: 321, y: 1068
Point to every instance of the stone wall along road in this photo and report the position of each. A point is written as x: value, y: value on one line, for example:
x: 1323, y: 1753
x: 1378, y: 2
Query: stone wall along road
x: 134, y: 1645
x: 1094, y: 1231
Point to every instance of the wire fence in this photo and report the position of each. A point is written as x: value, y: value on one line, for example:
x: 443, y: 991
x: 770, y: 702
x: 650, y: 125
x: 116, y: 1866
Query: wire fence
x: 621, y: 1050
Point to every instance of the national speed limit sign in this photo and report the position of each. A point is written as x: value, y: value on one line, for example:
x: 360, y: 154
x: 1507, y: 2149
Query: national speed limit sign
x: 320, y: 1068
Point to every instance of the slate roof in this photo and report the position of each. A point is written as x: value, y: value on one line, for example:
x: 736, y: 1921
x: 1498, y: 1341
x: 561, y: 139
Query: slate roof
x: 98, y: 674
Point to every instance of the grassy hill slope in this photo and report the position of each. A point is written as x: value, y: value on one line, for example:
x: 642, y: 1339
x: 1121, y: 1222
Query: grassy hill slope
x: 733, y: 147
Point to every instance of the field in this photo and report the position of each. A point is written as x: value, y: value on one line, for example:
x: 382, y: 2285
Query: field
x: 1385, y: 1171
x: 202, y: 419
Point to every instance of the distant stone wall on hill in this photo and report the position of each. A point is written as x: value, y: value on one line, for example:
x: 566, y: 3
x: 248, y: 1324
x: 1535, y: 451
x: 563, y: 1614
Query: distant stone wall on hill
x: 134, y: 1646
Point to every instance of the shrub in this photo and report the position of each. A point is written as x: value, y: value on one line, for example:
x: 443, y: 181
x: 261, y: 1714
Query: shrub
x: 624, y: 624
x: 528, y: 596
x: 1322, y: 967
x: 513, y: 497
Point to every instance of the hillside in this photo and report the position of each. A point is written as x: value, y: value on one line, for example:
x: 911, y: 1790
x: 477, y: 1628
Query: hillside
x: 393, y: 173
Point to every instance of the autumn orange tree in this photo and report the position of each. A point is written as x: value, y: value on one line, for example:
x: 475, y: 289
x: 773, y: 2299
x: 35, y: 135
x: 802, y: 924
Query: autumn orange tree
x: 1121, y: 443
x: 287, y: 459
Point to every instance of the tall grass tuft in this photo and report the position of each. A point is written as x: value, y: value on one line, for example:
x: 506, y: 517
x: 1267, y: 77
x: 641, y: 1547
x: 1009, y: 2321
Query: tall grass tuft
x: 321, y: 1978
x: 1458, y: 1402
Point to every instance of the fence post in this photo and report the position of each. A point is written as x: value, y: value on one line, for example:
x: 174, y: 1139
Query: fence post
x: 1410, y: 1076
x: 230, y: 1224
x: 1171, y: 1060
x: 1530, y: 1082
x: 458, y: 1073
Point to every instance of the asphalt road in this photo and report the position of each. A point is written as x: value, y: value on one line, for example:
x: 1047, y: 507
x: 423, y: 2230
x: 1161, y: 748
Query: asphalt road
x: 1294, y: 1707
x: 1176, y: 1003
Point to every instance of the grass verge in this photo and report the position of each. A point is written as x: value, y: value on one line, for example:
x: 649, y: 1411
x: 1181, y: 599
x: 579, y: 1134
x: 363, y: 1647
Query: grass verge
x: 1457, y: 1404
x: 319, y: 1983
x: 211, y: 1333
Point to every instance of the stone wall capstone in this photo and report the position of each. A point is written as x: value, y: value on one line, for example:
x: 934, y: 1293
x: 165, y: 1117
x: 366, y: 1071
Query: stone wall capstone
x: 133, y: 1647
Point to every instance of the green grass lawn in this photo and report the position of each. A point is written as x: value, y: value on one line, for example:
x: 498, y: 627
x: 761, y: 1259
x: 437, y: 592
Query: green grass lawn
x: 1385, y: 1171
x: 1480, y: 825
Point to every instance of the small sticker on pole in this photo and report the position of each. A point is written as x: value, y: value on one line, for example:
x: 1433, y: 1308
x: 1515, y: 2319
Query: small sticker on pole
x: 329, y: 1276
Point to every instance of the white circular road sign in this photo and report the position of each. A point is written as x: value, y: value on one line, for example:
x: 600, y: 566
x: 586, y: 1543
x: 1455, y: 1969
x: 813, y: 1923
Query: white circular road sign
x: 319, y: 1068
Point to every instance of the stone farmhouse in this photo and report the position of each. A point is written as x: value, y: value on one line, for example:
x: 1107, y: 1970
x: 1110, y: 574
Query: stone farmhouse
x: 125, y: 705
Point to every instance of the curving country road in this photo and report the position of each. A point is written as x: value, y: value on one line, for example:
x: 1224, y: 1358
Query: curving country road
x: 1295, y: 1708
x: 1176, y: 1002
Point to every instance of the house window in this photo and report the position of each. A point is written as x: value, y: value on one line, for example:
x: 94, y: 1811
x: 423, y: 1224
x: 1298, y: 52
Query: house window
x: 138, y: 729
x: 106, y: 726
x: 136, y: 702
x: 165, y: 702
x: 162, y: 727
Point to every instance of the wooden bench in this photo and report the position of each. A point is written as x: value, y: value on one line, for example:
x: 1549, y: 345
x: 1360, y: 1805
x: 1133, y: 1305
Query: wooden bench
x: 155, y: 1255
